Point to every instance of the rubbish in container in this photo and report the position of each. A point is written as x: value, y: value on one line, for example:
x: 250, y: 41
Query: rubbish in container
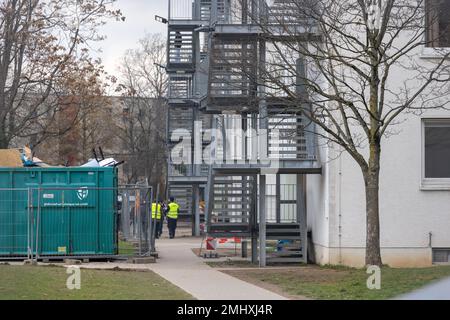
x: 29, y: 160
x: 103, y: 162
x: 10, y: 158
x: 91, y: 163
x: 108, y: 162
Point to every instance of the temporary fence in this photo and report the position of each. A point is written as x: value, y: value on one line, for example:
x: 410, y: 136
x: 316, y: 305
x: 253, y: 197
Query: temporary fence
x: 49, y: 222
x: 136, y: 224
x: 15, y: 227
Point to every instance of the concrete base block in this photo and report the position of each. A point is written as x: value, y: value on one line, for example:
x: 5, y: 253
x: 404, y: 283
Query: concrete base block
x: 72, y: 261
x: 144, y: 260
x: 210, y: 254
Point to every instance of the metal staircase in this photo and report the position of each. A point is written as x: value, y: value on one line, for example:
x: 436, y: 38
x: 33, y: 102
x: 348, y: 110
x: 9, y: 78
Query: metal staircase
x: 289, y: 247
x: 217, y: 53
x: 181, y: 53
x: 232, y: 68
x: 286, y: 135
x: 232, y: 206
x: 232, y: 212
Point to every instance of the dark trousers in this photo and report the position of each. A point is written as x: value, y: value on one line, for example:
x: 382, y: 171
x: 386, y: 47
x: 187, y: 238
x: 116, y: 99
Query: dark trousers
x: 172, y: 225
x: 158, y: 228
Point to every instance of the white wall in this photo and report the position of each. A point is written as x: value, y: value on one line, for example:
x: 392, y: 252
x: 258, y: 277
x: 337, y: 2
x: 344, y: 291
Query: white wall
x: 407, y: 213
x: 317, y: 208
x: 336, y: 200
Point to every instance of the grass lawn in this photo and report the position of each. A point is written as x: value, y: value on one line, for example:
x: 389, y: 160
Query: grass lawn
x: 42, y: 283
x: 339, y: 282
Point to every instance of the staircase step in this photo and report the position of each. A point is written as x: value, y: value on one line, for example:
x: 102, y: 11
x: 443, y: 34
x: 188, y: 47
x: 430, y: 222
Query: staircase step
x: 233, y: 202
x: 235, y: 209
x: 282, y: 225
x: 230, y: 216
x: 232, y: 181
x: 232, y: 187
x: 286, y: 253
x: 282, y: 230
x: 283, y: 260
x: 279, y: 237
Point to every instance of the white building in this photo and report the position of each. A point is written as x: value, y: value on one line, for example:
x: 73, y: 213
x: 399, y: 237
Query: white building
x: 414, y: 185
x: 207, y: 48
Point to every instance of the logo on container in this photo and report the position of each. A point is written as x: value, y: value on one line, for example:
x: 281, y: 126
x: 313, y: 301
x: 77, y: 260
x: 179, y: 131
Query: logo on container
x: 82, y: 193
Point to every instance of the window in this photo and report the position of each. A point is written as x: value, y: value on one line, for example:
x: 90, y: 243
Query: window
x: 438, y: 23
x: 441, y: 255
x: 436, y: 153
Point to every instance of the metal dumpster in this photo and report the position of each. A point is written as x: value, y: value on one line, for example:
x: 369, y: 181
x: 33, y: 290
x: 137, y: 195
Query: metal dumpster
x: 58, y: 211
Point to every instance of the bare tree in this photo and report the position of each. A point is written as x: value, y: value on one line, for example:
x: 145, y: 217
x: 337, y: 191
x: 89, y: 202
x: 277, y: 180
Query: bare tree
x: 143, y: 83
x: 96, y: 127
x: 339, y: 62
x: 44, y: 48
x: 84, y: 123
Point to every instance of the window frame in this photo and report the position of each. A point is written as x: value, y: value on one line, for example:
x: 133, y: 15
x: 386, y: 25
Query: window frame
x: 431, y: 183
x: 431, y: 44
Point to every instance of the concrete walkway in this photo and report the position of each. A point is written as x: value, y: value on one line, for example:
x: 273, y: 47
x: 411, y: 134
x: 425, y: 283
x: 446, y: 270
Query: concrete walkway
x: 179, y: 265
x: 435, y: 291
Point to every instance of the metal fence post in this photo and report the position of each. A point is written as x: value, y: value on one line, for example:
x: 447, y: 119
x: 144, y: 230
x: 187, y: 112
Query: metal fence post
x: 137, y: 209
x: 156, y: 215
x: 134, y: 216
x: 126, y: 215
x: 32, y: 225
x: 150, y: 221
x: 38, y: 223
x: 28, y: 225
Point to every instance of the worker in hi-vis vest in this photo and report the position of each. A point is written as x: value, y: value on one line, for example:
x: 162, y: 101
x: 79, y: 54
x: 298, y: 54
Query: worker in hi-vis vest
x: 157, y: 218
x: 172, y: 217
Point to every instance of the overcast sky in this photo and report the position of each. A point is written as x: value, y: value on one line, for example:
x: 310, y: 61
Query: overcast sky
x: 140, y: 18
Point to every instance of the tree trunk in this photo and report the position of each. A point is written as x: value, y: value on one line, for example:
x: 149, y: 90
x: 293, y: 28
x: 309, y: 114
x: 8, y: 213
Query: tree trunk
x: 372, y: 179
x: 4, y: 143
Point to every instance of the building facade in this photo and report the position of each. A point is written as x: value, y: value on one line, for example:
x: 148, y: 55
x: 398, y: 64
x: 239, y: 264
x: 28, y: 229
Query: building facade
x: 262, y: 171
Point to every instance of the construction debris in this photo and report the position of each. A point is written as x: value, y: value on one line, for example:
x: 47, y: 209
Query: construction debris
x: 103, y: 162
x: 108, y: 162
x: 10, y: 158
x: 29, y: 160
x: 23, y: 157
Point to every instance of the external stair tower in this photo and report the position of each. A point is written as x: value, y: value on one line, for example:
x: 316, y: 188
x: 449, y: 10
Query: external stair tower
x: 216, y: 53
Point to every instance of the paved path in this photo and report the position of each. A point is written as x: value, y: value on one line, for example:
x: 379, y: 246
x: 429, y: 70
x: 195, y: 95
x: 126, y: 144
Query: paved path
x: 435, y: 291
x: 178, y: 264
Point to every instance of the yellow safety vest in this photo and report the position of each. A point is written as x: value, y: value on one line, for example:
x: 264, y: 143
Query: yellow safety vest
x: 156, y: 212
x: 173, y: 210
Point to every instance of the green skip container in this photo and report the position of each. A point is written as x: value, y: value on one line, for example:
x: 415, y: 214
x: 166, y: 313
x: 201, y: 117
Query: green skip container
x: 58, y: 212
